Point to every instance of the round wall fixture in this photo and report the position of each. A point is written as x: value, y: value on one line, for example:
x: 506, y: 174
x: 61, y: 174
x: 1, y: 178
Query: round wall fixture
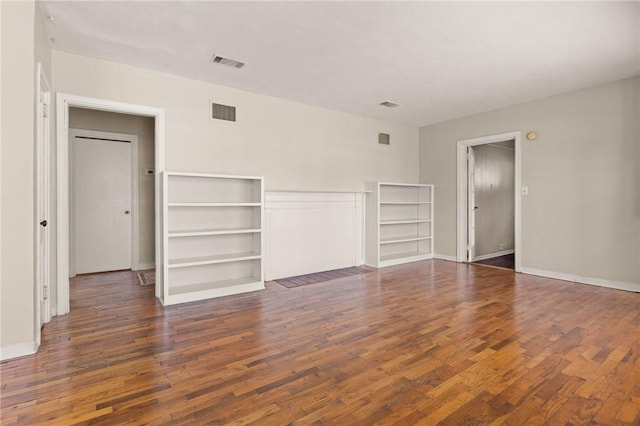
x: 532, y: 136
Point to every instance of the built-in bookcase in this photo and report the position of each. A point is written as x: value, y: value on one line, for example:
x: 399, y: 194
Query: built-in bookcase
x: 213, y: 236
x: 399, y: 222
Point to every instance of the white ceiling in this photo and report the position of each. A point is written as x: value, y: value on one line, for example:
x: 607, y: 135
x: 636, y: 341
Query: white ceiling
x: 438, y: 60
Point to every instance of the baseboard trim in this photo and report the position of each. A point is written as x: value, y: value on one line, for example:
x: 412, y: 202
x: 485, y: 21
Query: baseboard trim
x: 490, y: 255
x: 145, y: 265
x: 445, y: 257
x: 618, y: 285
x: 17, y: 350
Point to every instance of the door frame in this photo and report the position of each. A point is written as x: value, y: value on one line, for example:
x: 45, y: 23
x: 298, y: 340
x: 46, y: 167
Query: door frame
x: 462, y: 207
x: 43, y: 200
x: 63, y: 103
x: 117, y: 138
x: 471, y: 196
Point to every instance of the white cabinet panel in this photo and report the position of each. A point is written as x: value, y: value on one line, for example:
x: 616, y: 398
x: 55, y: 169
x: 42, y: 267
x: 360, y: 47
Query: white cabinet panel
x: 310, y: 232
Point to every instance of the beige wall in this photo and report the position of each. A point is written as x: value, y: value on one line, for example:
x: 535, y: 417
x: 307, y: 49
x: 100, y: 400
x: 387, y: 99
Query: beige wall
x: 494, y: 191
x: 294, y: 146
x: 582, y: 214
x: 17, y: 220
x: 42, y: 46
x: 143, y: 127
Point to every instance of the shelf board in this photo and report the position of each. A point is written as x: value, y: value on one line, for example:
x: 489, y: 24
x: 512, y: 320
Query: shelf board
x: 405, y: 203
x: 405, y: 239
x: 210, y: 260
x: 406, y: 255
x: 220, y: 231
x: 412, y: 185
x: 209, y: 175
x: 187, y: 204
x: 213, y: 285
x: 400, y: 221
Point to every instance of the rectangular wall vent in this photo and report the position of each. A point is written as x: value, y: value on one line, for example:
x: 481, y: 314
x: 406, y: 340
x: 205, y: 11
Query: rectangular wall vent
x: 223, y: 112
x: 384, y: 139
x: 227, y: 61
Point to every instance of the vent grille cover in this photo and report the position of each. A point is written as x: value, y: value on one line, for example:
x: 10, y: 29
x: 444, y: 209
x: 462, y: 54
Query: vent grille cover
x: 223, y: 112
x: 384, y: 139
x: 227, y: 61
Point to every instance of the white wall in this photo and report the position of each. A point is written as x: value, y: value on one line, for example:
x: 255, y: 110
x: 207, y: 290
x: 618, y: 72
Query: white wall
x: 143, y: 127
x: 494, y: 191
x: 582, y: 215
x: 294, y: 146
x: 17, y: 178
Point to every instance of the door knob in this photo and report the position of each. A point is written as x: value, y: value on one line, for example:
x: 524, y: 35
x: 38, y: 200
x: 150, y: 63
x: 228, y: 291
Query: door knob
x: 43, y: 223
x: 126, y: 212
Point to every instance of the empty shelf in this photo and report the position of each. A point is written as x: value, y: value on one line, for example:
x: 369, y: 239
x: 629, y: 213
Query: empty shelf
x: 404, y: 239
x: 405, y: 255
x: 209, y: 260
x: 186, y: 204
x: 405, y: 202
x: 219, y: 231
x: 214, y: 286
x: 398, y: 221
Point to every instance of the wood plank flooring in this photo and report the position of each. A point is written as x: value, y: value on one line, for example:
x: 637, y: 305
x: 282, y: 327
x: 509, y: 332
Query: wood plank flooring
x: 427, y: 343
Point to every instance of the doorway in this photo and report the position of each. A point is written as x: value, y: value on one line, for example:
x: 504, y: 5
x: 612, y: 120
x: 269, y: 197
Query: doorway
x: 468, y: 208
x: 491, y: 202
x: 65, y: 104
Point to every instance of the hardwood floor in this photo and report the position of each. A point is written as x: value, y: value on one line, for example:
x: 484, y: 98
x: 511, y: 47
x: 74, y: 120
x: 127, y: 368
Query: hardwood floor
x: 425, y: 343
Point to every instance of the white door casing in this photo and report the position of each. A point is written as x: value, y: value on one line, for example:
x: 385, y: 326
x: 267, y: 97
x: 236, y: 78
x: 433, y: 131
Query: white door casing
x: 102, y: 200
x: 462, y: 193
x: 63, y: 103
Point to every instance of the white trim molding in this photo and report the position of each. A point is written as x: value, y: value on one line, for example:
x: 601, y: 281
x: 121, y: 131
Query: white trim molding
x: 16, y: 350
x: 63, y: 103
x: 618, y: 285
x: 461, y: 245
x: 446, y: 257
x: 145, y: 265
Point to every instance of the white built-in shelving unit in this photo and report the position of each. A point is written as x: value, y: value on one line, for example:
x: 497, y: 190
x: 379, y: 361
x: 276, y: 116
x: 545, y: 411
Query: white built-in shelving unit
x: 213, y: 236
x: 399, y: 223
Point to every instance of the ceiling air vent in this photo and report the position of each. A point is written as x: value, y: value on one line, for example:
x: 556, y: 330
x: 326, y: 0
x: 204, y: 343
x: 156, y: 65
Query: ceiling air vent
x: 227, y: 61
x: 223, y: 112
x: 389, y: 104
x: 384, y: 139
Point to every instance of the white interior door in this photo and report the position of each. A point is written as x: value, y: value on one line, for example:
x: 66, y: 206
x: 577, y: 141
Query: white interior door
x: 42, y: 205
x: 101, y: 204
x: 471, y: 204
